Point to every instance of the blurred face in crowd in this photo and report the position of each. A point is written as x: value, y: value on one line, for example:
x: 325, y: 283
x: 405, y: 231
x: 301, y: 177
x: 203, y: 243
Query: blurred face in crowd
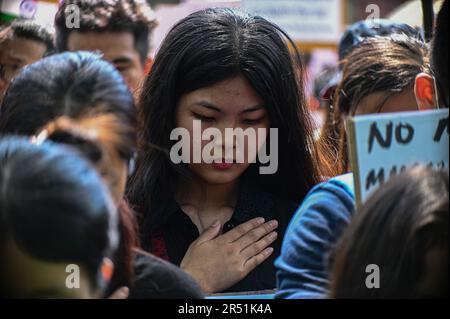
x: 15, y: 53
x: 117, y: 48
x: 232, y: 103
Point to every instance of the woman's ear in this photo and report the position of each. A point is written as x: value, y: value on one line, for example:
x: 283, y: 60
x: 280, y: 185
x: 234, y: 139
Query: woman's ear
x: 107, y: 269
x: 424, y: 90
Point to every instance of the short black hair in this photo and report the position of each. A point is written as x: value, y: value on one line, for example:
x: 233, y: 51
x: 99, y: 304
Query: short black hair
x: 29, y: 29
x: 54, y: 207
x: 440, y: 52
x: 133, y: 16
x: 69, y: 84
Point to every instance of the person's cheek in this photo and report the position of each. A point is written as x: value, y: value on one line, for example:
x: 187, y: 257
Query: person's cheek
x: 130, y: 80
x: 185, y: 123
x: 126, y: 78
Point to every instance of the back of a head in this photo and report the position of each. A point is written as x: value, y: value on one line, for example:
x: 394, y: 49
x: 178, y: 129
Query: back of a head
x: 403, y: 230
x: 54, y: 209
x: 68, y: 84
x: 440, y: 53
x: 101, y: 138
x: 361, y: 30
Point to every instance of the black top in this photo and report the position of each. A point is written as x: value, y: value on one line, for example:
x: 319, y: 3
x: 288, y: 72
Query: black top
x: 172, y: 236
x: 154, y: 278
x: 159, y: 279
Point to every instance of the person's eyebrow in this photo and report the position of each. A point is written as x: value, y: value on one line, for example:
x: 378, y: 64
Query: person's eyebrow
x: 209, y: 106
x: 215, y: 108
x: 253, y: 108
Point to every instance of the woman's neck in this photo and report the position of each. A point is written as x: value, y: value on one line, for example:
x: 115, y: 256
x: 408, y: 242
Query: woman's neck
x: 206, y: 203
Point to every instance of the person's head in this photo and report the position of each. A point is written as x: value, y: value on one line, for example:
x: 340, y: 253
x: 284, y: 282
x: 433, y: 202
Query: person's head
x: 79, y: 99
x: 79, y: 86
x: 403, y: 230
x: 440, y: 56
x: 361, y: 30
x: 58, y: 223
x: 109, y: 144
x: 119, y: 29
x: 21, y: 43
x: 379, y: 76
x: 228, y: 70
x: 114, y: 141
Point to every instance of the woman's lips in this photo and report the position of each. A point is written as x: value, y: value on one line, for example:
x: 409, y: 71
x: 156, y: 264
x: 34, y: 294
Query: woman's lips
x: 222, y: 165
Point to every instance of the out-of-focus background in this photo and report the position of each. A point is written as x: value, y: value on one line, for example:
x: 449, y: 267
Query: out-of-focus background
x: 315, y: 25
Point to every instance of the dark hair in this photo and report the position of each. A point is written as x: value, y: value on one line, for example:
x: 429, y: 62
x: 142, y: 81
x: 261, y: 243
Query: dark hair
x: 31, y: 30
x: 133, y: 16
x: 100, y: 138
x: 54, y: 206
x: 398, y: 225
x: 68, y: 84
x: 361, y: 30
x: 379, y: 64
x: 201, y: 50
x: 69, y: 95
x: 440, y: 52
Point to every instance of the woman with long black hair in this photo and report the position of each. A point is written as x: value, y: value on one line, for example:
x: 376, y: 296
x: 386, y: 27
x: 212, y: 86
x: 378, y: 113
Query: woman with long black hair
x: 225, y: 70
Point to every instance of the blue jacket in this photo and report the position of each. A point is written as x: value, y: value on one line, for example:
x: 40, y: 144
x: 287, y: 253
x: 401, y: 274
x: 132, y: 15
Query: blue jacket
x: 302, y: 268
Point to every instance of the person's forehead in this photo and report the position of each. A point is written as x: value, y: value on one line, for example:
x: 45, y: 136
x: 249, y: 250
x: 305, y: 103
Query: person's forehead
x: 232, y: 95
x: 403, y: 101
x: 111, y: 44
x: 22, y: 49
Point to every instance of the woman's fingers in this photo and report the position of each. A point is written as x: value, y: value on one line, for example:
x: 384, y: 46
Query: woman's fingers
x: 257, y: 260
x: 256, y: 234
x: 259, y: 246
x: 242, y: 229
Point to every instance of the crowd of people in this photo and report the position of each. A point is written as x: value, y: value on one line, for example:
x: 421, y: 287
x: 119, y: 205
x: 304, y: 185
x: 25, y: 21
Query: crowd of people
x: 87, y: 179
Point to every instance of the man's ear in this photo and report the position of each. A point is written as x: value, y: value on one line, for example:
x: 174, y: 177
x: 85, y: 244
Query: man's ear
x: 424, y: 90
x: 107, y: 269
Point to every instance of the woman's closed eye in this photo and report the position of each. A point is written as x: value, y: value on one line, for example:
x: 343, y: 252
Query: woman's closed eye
x: 203, y: 118
x: 254, y: 121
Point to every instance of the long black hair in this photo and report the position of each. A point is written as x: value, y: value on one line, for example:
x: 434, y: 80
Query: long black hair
x: 53, y: 205
x: 206, y: 48
x: 395, y: 229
